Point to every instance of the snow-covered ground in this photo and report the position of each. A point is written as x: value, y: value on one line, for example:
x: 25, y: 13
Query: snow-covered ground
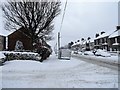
x: 101, y: 55
x: 2, y: 55
x: 54, y: 73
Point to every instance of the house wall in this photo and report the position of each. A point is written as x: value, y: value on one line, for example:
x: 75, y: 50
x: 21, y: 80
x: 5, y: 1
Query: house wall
x: 109, y: 47
x: 91, y: 45
x: 111, y: 41
x: 2, y: 43
x: 99, y: 43
x: 17, y: 35
x: 76, y: 47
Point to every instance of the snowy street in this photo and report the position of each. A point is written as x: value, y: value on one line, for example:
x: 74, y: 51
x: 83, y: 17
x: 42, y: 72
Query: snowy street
x: 109, y: 62
x: 54, y: 73
x: 59, y: 44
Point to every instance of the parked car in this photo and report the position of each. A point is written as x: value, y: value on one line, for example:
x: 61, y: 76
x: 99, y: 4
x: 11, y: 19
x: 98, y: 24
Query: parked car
x: 102, y: 53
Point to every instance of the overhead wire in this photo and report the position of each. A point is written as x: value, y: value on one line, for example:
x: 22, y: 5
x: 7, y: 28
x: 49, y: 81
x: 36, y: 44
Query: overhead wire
x: 63, y: 16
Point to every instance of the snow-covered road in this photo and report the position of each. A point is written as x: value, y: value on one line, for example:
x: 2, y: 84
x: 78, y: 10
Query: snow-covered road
x: 97, y: 61
x: 54, y: 73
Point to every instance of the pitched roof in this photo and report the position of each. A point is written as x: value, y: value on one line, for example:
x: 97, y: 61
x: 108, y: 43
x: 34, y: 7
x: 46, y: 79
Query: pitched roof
x: 104, y: 35
x: 5, y: 32
x: 115, y: 34
x: 21, y: 30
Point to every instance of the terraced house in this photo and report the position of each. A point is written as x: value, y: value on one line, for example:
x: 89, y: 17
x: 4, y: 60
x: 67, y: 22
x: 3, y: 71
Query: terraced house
x: 101, y: 42
x: 114, y: 40
x: 109, y: 41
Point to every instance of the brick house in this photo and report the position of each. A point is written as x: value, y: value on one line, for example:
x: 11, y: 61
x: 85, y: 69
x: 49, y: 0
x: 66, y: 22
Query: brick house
x: 76, y: 46
x: 108, y: 41
x: 91, y: 44
x: 21, y: 35
x: 101, y: 42
x: 83, y: 45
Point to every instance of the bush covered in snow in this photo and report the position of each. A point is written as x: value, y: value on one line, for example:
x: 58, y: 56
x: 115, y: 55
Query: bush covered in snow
x: 44, y: 52
x: 43, y: 49
x: 21, y: 56
x: 2, y: 57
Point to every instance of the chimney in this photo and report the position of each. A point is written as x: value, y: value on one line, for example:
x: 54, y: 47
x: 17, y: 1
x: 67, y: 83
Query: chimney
x: 102, y: 32
x: 117, y: 27
x: 96, y: 35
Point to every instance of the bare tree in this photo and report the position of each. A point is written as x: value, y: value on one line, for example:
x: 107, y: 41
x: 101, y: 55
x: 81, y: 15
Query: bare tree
x: 36, y: 17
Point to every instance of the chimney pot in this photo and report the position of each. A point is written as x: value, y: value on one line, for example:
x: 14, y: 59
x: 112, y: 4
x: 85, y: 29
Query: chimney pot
x: 118, y: 27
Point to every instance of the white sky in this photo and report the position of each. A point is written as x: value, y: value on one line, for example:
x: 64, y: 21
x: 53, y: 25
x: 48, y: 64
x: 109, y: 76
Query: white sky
x: 84, y: 18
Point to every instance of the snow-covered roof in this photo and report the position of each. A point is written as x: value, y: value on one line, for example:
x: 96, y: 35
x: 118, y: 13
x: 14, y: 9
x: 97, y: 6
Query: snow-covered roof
x: 5, y: 32
x: 92, y: 40
x: 115, y: 34
x: 86, y: 41
x: 77, y: 43
x: 115, y: 44
x: 105, y: 43
x: 104, y: 35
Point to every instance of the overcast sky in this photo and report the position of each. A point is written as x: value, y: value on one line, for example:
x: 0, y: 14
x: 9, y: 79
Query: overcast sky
x: 83, y: 19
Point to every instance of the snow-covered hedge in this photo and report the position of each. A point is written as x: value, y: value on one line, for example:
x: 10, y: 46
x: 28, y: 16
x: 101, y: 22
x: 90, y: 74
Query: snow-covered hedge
x: 2, y: 57
x: 21, y: 56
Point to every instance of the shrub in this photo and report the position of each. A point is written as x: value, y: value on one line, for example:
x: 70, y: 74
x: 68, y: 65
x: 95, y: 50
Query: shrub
x: 21, y: 56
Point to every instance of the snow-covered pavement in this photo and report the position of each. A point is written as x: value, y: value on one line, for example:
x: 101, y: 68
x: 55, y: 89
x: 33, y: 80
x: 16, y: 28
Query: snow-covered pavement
x: 54, y: 73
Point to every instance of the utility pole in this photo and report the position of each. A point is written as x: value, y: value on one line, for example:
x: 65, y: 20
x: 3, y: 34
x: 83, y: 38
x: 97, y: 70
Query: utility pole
x: 59, y: 53
x: 59, y: 45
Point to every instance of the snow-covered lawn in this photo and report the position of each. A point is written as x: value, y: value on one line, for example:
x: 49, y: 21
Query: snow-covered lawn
x: 54, y: 73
